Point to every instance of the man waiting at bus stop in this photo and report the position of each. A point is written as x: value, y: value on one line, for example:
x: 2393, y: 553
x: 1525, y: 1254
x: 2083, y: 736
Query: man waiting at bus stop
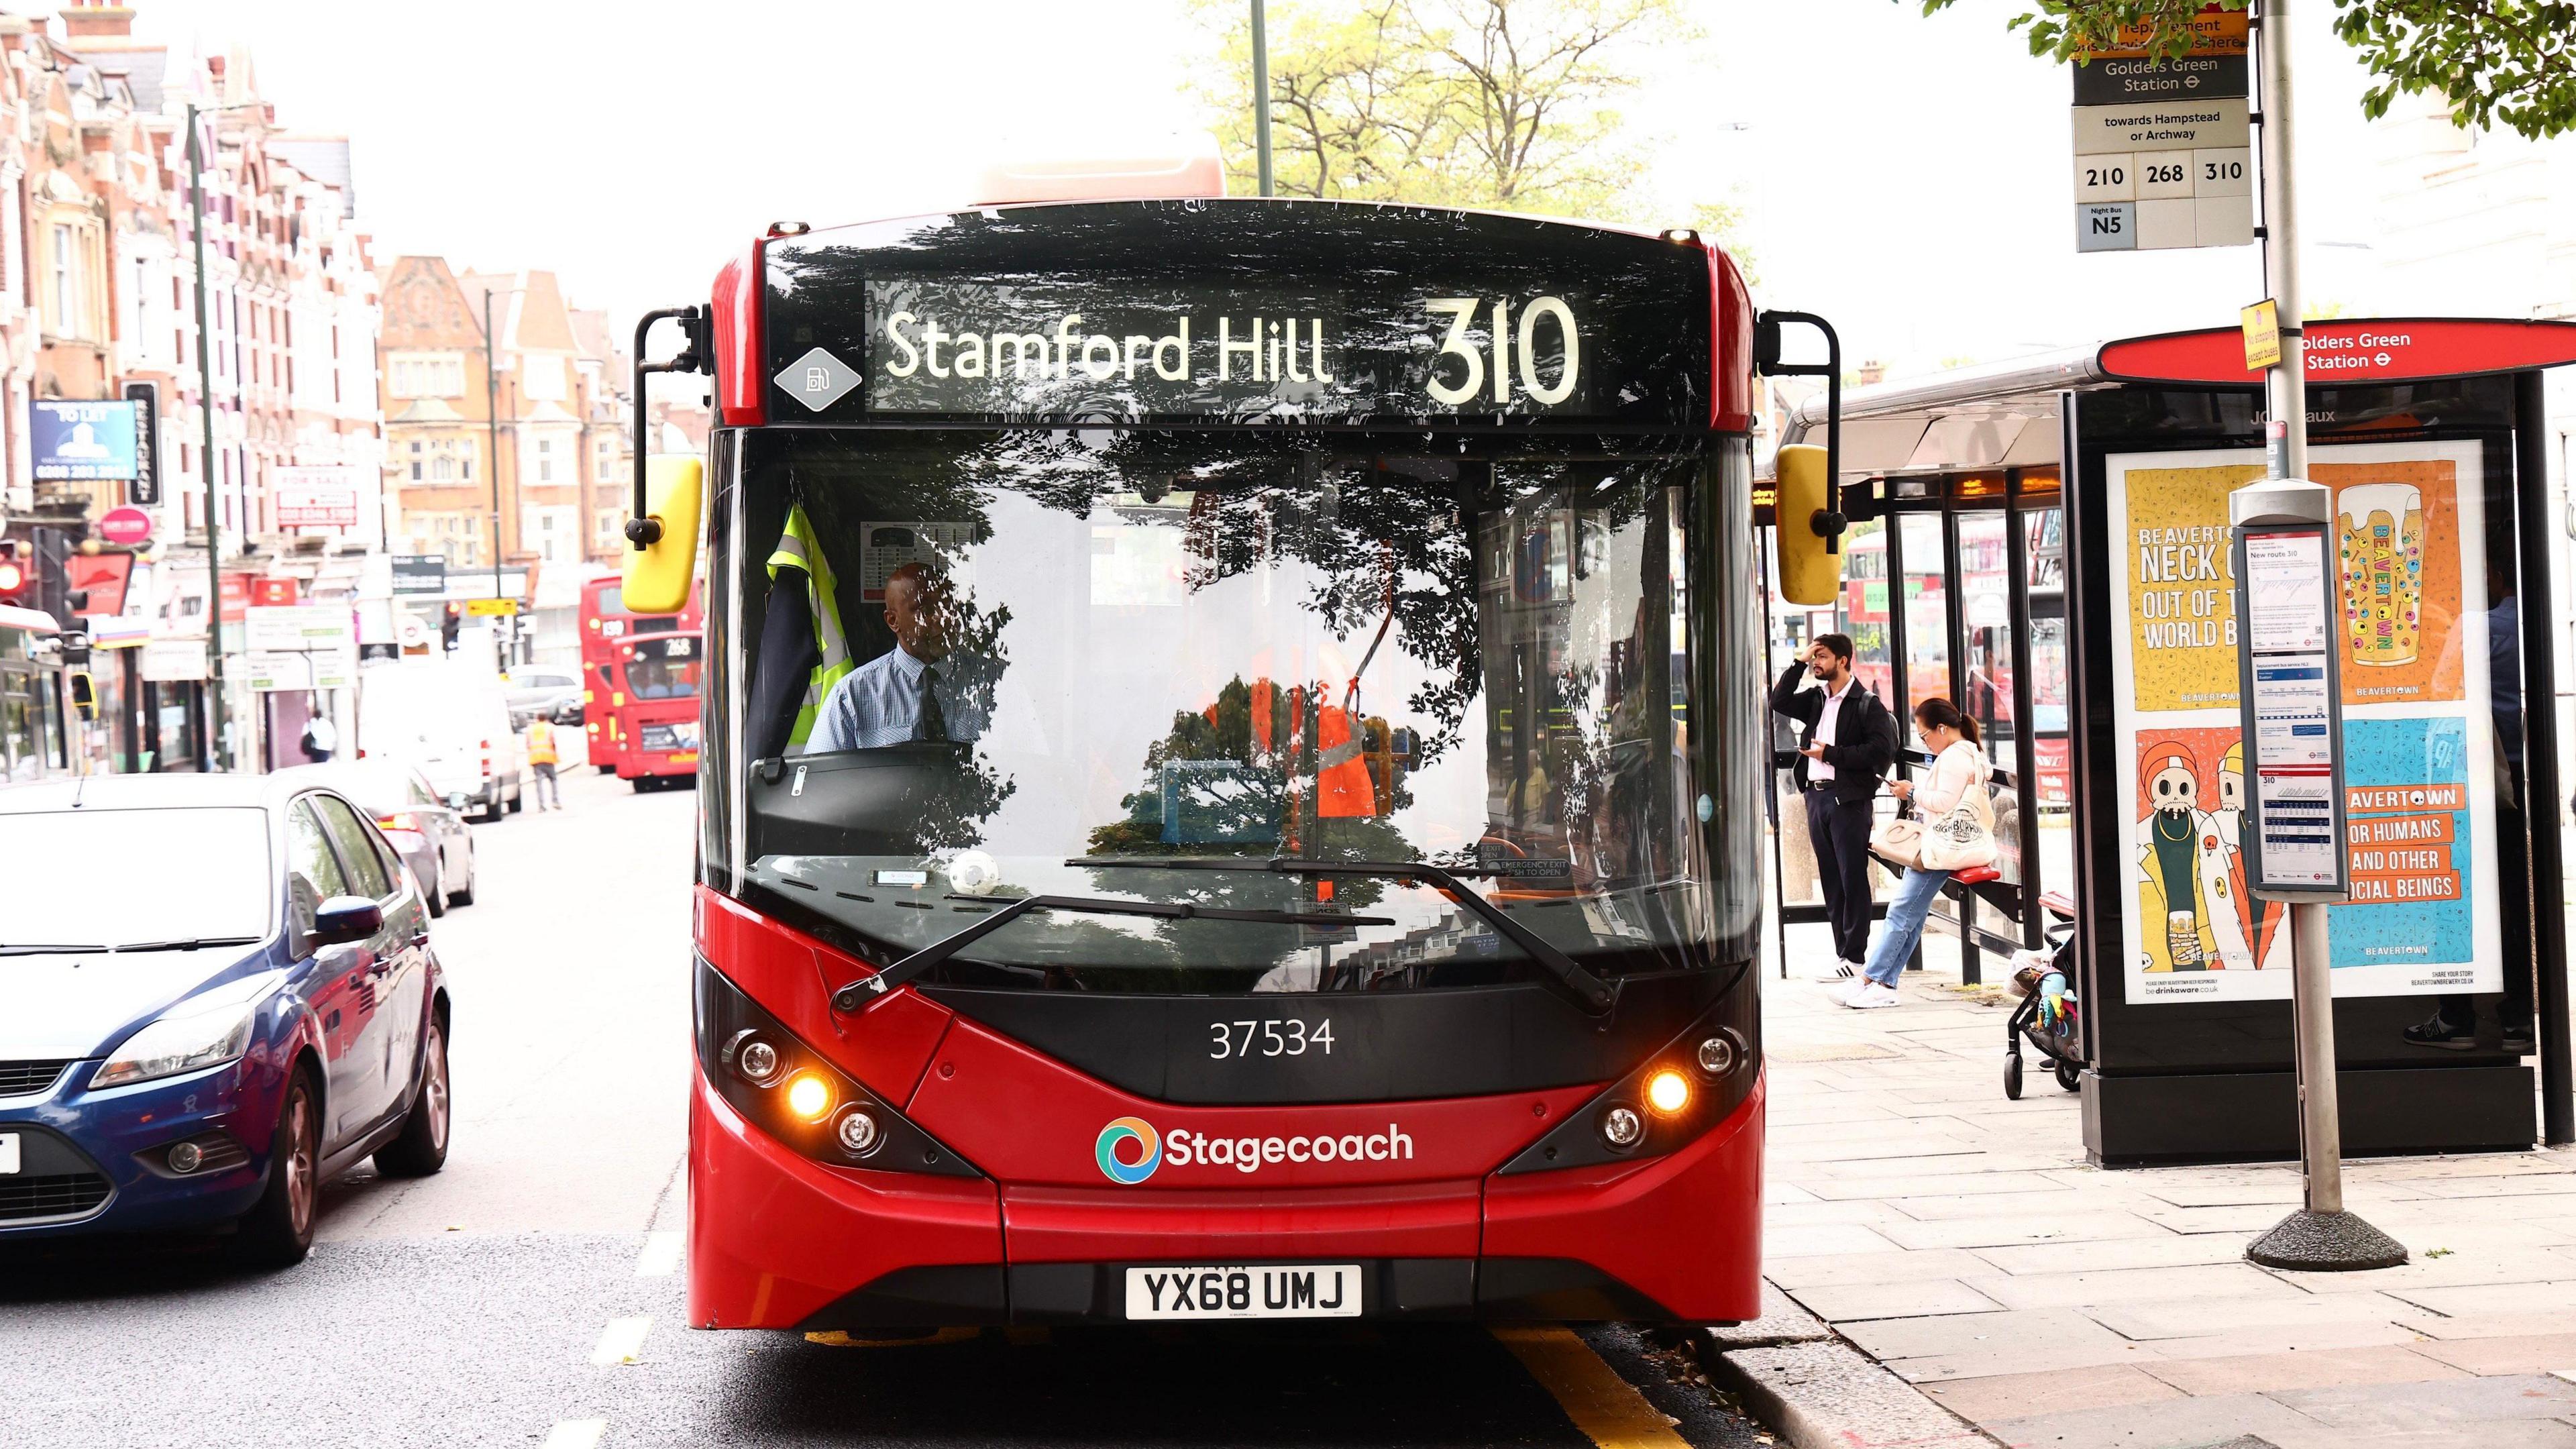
x: 900, y: 697
x: 1847, y: 743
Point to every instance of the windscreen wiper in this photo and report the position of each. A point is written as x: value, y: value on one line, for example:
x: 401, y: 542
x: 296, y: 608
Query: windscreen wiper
x: 184, y: 943
x: 47, y: 948
x: 855, y: 995
x: 1588, y: 991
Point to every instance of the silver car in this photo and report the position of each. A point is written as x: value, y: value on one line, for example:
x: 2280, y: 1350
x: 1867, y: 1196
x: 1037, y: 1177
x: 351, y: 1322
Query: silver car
x: 554, y: 694
x: 429, y: 834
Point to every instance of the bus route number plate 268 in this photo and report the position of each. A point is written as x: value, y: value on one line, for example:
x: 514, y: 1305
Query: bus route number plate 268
x: 1319, y: 1291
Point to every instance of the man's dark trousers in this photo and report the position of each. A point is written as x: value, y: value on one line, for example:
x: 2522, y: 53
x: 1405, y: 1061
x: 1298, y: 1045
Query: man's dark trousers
x: 1839, y: 831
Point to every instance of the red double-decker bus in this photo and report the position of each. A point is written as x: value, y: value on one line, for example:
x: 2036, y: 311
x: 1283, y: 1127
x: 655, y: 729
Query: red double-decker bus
x: 1233, y: 771
x: 653, y: 689
x: 605, y: 619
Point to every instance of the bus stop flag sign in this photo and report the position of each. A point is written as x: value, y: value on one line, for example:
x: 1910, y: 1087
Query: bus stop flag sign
x: 2163, y: 148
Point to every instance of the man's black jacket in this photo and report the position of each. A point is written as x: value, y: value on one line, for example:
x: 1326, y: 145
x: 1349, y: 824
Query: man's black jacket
x: 1864, y: 747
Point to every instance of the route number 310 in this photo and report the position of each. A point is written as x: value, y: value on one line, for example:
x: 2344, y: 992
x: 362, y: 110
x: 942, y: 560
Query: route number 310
x: 1461, y: 312
x: 1277, y: 1037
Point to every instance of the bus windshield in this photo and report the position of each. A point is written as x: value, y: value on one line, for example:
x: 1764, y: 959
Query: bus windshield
x: 663, y: 669
x: 1121, y: 665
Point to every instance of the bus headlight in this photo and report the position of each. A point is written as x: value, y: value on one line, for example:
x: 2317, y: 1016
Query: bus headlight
x: 1622, y: 1128
x: 1717, y: 1056
x: 858, y: 1132
x: 1668, y: 1091
x: 797, y: 1096
x: 756, y: 1060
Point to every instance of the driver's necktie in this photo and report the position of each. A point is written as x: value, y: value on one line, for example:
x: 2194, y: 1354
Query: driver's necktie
x: 934, y: 724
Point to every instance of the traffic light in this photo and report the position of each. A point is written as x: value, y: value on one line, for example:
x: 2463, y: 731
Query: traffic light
x: 17, y: 574
x: 448, y: 626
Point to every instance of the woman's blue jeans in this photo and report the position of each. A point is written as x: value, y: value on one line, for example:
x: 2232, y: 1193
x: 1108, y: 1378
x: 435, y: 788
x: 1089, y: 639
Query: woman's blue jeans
x: 1905, y: 916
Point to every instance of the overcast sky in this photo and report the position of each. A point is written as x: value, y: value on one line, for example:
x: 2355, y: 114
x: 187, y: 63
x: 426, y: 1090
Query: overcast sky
x: 1908, y: 177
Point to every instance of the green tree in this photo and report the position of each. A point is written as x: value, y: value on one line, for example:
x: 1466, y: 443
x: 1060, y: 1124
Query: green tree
x: 2497, y: 62
x: 1509, y: 104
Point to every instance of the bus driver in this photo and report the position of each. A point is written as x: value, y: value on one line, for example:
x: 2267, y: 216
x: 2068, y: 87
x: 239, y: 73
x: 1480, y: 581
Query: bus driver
x: 900, y: 697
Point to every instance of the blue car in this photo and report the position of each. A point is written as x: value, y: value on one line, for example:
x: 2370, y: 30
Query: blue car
x: 216, y: 993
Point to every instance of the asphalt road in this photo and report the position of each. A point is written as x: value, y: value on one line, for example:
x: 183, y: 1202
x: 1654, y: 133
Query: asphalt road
x: 530, y: 1294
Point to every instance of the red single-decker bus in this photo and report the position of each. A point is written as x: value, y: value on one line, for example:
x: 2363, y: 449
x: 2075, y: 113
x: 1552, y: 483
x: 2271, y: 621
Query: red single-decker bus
x: 1233, y: 771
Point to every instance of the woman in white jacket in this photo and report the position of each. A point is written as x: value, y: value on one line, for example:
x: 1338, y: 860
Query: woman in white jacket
x: 1958, y: 766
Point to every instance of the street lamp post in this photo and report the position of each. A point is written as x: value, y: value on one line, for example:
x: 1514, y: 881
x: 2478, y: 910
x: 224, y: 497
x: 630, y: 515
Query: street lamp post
x: 2323, y: 1235
x: 1261, y: 94
x: 492, y: 421
x: 219, y: 714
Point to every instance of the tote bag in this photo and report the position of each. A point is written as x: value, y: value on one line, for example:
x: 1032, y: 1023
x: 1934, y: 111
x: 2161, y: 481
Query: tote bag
x: 1898, y: 841
x: 1965, y: 836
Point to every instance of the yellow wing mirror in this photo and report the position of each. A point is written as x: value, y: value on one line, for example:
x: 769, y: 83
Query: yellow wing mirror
x: 1804, y: 517
x: 1809, y: 530
x: 658, y: 567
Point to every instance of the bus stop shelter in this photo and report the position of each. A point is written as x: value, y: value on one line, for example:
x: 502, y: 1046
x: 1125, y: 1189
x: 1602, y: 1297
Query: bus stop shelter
x: 2045, y: 544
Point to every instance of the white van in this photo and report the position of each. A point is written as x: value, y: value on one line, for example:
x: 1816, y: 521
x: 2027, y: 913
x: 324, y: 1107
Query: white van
x: 450, y: 719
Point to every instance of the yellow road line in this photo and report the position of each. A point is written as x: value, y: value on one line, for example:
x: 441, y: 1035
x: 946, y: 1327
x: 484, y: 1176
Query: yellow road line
x: 1607, y: 1408
x: 837, y: 1339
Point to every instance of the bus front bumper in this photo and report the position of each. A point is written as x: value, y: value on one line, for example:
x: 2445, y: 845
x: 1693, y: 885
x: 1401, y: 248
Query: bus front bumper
x: 777, y: 1240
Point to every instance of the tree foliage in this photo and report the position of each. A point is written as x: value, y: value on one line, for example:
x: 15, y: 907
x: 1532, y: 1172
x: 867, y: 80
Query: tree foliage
x: 1507, y: 104
x: 2496, y: 62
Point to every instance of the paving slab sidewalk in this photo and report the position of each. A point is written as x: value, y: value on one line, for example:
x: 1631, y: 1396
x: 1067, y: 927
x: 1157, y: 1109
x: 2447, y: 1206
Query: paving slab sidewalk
x: 1962, y: 1241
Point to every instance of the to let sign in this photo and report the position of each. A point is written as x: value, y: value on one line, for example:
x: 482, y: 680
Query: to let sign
x: 81, y: 442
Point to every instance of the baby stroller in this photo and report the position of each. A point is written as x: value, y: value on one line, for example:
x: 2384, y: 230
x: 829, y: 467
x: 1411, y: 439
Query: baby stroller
x: 2046, y: 1017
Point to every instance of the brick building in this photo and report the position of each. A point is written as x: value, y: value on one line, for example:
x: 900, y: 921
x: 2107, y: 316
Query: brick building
x: 98, y: 299
x: 549, y: 506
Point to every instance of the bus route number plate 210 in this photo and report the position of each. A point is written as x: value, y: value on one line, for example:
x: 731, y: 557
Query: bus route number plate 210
x: 1322, y: 1291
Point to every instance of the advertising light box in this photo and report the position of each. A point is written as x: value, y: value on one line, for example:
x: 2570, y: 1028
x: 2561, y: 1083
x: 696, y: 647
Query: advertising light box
x: 2409, y: 611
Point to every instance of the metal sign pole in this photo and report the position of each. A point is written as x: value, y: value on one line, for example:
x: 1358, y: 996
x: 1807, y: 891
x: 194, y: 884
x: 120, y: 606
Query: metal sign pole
x: 2290, y: 701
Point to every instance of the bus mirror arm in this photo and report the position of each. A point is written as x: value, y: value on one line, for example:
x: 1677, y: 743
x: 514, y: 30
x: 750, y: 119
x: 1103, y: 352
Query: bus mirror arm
x: 1831, y: 522
x: 856, y: 994
x: 643, y: 530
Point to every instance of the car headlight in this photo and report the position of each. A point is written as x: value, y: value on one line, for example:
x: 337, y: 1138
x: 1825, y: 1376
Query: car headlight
x: 203, y: 1031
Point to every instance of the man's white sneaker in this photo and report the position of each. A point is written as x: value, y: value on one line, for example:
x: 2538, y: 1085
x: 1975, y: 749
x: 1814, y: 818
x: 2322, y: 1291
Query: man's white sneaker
x: 1841, y: 992
x: 1871, y: 994
x: 1837, y: 971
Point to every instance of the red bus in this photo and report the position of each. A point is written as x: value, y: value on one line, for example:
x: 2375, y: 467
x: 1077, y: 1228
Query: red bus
x: 1287, y: 840
x: 605, y: 619
x: 653, y: 683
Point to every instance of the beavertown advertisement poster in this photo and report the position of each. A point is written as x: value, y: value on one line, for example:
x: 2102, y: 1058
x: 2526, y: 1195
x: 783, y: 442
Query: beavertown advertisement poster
x: 2419, y: 751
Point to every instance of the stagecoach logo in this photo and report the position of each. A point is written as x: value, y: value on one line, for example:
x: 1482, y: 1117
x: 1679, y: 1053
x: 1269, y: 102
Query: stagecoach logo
x: 1149, y: 1150
x: 1182, y: 1148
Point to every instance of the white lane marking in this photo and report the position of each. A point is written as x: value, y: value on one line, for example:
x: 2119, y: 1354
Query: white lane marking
x: 661, y: 1255
x: 576, y: 1434
x: 623, y: 1339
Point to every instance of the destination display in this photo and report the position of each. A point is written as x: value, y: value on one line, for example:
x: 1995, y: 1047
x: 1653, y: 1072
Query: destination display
x: 1236, y: 316
x: 1052, y: 347
x: 2405, y: 612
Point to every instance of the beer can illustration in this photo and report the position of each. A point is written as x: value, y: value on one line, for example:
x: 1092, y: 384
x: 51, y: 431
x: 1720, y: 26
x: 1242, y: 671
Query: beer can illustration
x: 2380, y: 548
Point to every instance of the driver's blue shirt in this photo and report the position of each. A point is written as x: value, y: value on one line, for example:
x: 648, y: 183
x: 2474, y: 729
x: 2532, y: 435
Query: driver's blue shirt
x: 879, y: 704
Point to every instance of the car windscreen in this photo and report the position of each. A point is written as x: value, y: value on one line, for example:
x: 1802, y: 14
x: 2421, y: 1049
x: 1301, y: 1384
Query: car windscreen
x: 103, y: 878
x: 1166, y: 669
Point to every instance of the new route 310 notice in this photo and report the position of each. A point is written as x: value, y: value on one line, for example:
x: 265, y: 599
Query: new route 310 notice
x: 2406, y: 610
x: 2287, y: 635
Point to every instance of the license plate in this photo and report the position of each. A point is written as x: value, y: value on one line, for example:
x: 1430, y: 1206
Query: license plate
x: 1313, y: 1291
x: 8, y: 1152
